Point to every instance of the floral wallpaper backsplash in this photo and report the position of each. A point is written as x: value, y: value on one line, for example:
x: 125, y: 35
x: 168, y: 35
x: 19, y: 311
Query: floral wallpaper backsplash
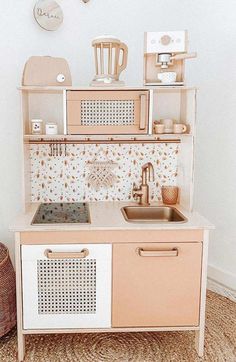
x: 66, y: 178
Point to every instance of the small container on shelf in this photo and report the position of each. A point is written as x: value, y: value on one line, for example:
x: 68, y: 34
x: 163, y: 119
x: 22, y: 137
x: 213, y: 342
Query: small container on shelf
x: 51, y: 128
x: 169, y: 126
x: 163, y: 126
x: 36, y: 126
x: 159, y: 128
x: 179, y: 128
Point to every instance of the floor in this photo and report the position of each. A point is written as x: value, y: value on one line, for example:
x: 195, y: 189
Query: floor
x: 220, y: 342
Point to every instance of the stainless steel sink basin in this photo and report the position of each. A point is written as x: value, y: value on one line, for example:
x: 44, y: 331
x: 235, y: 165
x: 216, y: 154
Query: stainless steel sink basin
x: 152, y: 214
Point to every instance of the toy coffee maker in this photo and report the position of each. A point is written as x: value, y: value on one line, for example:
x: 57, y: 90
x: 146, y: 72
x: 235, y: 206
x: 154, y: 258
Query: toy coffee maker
x: 110, y: 60
x: 164, y: 57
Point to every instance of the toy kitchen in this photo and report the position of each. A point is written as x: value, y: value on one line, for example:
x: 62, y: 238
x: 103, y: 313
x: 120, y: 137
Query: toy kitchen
x: 108, y: 240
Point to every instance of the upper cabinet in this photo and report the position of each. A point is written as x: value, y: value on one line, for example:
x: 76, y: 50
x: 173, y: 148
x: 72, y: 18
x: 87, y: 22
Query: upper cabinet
x: 123, y: 115
x: 131, y: 112
x: 107, y: 112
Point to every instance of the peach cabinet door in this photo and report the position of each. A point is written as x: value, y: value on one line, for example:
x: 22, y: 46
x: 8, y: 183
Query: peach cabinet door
x: 156, y: 284
x: 107, y: 112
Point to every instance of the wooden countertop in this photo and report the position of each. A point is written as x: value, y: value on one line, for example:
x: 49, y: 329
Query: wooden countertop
x: 107, y: 216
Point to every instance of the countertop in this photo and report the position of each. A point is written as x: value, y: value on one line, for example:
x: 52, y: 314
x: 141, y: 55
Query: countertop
x: 107, y: 216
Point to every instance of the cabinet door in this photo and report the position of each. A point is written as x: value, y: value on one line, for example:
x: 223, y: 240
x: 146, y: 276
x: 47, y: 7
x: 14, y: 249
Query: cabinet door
x: 156, y: 284
x: 107, y: 112
x: 66, y: 286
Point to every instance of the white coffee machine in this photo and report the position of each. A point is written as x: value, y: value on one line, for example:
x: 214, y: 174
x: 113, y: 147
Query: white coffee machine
x: 164, y: 57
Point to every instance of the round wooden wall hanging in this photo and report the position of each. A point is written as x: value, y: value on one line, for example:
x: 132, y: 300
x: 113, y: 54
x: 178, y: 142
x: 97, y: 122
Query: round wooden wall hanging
x: 48, y: 14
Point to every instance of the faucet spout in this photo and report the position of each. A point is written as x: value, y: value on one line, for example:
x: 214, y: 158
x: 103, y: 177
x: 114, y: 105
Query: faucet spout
x: 143, y: 191
x: 147, y: 173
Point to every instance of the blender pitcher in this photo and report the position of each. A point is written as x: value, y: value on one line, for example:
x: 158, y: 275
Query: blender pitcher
x: 110, y: 60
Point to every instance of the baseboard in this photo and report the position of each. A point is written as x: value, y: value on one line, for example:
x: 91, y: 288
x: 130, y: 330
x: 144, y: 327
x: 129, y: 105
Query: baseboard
x: 221, y: 276
x: 222, y: 282
x: 218, y: 288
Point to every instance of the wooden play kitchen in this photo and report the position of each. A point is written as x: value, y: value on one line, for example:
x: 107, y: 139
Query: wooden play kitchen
x: 123, y: 266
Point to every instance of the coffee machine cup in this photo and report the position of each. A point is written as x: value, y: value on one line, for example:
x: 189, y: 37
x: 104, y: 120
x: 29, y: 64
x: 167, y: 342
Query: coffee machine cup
x: 167, y: 77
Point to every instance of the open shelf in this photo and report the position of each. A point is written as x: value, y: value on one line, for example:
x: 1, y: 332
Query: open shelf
x: 37, y: 89
x: 178, y: 104
x: 170, y: 88
x: 107, y: 137
x: 58, y: 89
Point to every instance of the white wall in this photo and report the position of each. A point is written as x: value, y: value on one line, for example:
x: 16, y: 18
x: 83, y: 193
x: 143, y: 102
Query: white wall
x: 212, y: 28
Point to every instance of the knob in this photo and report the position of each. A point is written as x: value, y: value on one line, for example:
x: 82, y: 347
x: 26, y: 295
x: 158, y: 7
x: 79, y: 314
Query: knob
x: 165, y: 40
x: 60, y: 78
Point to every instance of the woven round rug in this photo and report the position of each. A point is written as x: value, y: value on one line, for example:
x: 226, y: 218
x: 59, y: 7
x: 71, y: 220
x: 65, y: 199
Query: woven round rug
x: 220, y: 342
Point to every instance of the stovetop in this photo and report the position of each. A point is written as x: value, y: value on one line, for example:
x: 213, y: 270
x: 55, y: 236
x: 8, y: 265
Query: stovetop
x: 62, y: 213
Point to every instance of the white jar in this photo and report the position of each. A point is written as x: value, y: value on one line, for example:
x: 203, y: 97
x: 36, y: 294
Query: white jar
x: 51, y: 128
x: 36, y: 126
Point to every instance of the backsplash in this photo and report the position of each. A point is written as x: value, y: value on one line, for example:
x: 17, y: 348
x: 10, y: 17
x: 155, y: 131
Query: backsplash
x: 66, y: 178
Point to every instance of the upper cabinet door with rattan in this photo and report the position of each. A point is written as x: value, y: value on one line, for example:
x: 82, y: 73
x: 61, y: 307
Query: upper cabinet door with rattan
x: 107, y: 112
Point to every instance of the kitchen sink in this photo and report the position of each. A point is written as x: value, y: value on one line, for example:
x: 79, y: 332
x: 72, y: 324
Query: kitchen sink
x: 152, y: 214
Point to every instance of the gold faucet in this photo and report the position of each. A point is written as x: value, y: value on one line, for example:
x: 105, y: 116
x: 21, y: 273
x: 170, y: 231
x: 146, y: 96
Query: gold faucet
x: 143, y: 191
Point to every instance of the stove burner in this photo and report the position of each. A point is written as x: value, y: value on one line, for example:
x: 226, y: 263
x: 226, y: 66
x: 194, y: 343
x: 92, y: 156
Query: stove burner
x: 62, y: 213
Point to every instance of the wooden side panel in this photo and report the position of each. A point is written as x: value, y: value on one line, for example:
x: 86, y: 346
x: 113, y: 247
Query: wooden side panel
x: 110, y: 236
x: 200, y: 334
x: 19, y: 306
x: 185, y: 174
x: 158, y: 290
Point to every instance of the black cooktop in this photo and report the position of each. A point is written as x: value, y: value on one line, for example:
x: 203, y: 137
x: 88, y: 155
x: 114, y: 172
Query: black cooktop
x: 62, y: 213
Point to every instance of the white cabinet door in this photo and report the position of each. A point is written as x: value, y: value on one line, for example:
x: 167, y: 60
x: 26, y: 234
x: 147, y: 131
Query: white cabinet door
x: 63, y: 287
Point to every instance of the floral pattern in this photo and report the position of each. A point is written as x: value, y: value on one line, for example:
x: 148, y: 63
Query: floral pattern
x: 65, y: 178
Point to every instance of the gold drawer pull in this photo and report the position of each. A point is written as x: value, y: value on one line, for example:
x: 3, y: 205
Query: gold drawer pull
x: 160, y: 253
x: 66, y: 255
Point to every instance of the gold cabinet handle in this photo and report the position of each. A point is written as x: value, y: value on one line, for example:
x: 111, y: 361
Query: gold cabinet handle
x: 66, y: 255
x: 157, y: 253
x: 143, y: 111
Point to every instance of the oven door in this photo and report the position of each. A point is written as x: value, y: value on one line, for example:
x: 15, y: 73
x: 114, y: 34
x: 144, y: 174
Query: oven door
x: 107, y: 112
x: 66, y: 286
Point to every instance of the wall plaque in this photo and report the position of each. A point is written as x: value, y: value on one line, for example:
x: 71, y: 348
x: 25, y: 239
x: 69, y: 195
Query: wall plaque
x: 48, y: 14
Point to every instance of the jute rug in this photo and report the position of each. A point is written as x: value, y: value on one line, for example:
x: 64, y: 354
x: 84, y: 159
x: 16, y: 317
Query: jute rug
x: 220, y: 343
